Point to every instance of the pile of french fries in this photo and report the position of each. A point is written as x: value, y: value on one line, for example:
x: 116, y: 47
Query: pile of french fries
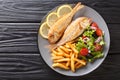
x: 66, y: 57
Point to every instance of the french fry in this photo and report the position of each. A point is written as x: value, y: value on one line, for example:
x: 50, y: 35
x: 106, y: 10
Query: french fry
x: 62, y: 60
x: 66, y: 55
x: 71, y: 53
x: 54, y: 51
x: 58, y: 54
x: 60, y: 50
x: 61, y: 53
x: 57, y: 57
x: 80, y: 61
x: 67, y: 50
x: 64, y: 49
x: 72, y: 46
x: 55, y: 65
x: 78, y: 66
x: 72, y: 63
x: 76, y: 55
x: 67, y: 46
x: 68, y: 63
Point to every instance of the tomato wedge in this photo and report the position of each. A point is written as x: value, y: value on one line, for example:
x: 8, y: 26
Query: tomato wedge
x: 99, y: 32
x: 84, y: 51
x: 94, y: 25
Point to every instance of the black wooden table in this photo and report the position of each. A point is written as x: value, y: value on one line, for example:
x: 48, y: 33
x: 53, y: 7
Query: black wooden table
x: 19, y: 55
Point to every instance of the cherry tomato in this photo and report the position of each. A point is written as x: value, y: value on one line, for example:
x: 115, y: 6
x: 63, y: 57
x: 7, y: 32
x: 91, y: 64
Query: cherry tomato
x: 98, y: 47
x: 84, y: 51
x: 99, y: 32
x: 94, y: 25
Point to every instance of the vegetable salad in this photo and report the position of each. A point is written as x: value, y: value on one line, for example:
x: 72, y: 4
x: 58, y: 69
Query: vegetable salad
x: 90, y: 44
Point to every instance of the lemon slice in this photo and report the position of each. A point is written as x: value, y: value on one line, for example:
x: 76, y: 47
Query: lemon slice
x: 64, y: 9
x: 44, y: 30
x: 51, y: 18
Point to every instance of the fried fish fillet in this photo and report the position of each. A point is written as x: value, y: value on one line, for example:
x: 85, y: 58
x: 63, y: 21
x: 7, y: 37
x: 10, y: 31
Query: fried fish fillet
x: 75, y: 29
x: 57, y: 30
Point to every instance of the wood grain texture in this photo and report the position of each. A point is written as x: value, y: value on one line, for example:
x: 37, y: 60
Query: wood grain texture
x: 33, y: 11
x: 18, y: 37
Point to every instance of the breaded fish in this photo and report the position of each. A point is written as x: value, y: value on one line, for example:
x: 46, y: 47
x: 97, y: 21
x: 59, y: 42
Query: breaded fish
x: 75, y: 29
x: 57, y: 30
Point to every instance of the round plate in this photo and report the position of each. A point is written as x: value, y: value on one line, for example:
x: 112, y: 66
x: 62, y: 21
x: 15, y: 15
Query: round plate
x: 46, y: 55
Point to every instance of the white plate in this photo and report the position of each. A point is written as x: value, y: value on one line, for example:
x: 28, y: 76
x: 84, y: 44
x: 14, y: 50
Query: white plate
x: 88, y: 12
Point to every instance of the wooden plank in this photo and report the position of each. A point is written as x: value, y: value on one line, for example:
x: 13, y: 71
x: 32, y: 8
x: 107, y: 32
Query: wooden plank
x: 114, y: 38
x: 19, y: 65
x: 33, y: 11
x: 22, y: 37
x: 18, y: 37
x: 33, y: 67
